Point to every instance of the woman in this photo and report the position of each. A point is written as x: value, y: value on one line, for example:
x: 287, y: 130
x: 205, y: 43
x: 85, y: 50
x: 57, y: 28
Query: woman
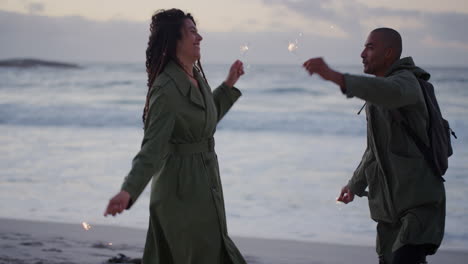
x: 187, y: 218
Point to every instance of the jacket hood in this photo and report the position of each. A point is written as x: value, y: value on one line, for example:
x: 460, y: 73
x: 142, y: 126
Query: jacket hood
x: 407, y: 63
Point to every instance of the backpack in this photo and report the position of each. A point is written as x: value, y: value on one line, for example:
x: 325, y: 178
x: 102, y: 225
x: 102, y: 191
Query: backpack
x: 439, y: 131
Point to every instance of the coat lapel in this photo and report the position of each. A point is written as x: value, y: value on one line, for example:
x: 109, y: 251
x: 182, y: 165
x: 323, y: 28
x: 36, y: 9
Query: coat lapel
x: 184, y: 84
x: 211, y: 114
x: 196, y: 96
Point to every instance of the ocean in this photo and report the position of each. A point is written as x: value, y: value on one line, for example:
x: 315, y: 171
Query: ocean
x: 285, y: 149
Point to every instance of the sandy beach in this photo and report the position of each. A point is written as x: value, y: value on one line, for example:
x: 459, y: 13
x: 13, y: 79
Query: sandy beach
x: 35, y: 242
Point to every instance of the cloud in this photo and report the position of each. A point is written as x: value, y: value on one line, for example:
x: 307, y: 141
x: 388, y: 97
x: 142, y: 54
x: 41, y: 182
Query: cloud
x: 344, y: 14
x: 453, y: 6
x: 396, y: 22
x: 71, y: 38
x: 35, y: 8
x: 74, y: 38
x: 431, y: 41
x: 448, y: 26
x: 356, y: 19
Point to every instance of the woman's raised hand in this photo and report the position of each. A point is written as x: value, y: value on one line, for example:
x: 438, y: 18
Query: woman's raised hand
x: 235, y: 72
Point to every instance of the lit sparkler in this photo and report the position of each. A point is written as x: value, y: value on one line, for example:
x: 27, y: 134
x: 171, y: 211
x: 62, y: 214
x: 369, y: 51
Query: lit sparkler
x: 339, y: 204
x: 244, y: 48
x: 86, y: 226
x: 292, y: 46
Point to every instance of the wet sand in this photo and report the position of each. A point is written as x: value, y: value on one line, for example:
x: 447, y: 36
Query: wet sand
x: 37, y: 242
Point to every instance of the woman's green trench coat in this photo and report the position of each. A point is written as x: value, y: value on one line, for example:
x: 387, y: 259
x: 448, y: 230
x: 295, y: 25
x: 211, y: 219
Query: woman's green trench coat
x: 187, y: 216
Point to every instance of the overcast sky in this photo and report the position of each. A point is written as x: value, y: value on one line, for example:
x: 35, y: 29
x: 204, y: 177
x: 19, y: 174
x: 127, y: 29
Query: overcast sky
x: 434, y: 32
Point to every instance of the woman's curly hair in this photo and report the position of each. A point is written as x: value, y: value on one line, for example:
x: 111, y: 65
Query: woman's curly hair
x: 165, y: 30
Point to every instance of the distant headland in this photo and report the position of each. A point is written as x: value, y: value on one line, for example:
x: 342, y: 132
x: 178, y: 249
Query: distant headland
x: 32, y: 63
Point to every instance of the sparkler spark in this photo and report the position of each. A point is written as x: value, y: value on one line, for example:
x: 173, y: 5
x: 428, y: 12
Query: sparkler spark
x: 244, y: 49
x: 86, y: 226
x: 339, y: 204
x: 292, y: 46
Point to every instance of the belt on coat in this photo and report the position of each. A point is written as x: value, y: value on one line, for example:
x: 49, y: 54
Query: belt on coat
x: 191, y: 148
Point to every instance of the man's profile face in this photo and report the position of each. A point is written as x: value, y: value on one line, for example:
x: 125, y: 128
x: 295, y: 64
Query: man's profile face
x: 373, y: 55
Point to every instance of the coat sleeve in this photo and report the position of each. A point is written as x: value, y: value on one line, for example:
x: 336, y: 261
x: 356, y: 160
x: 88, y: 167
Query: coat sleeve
x: 391, y: 92
x: 155, y: 144
x: 224, y: 97
x: 358, y: 183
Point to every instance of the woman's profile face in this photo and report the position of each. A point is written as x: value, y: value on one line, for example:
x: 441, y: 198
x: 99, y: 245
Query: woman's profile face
x: 188, y: 47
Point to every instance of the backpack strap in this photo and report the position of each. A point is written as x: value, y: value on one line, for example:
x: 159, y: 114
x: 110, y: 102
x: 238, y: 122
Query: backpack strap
x: 423, y: 148
x: 398, y: 116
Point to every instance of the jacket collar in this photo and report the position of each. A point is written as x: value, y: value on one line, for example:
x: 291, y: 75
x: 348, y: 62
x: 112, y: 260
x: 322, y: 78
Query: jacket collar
x: 399, y: 63
x: 407, y: 63
x: 184, y: 85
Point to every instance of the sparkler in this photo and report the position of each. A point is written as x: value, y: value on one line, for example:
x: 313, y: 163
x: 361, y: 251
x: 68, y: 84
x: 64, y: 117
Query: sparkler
x: 244, y: 49
x: 293, y: 47
x: 86, y: 226
x: 339, y: 204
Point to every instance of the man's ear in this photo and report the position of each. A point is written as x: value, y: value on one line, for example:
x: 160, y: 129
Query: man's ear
x: 390, y: 54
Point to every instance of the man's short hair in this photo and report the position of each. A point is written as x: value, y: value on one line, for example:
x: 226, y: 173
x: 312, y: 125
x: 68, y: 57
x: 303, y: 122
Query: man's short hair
x: 392, y: 39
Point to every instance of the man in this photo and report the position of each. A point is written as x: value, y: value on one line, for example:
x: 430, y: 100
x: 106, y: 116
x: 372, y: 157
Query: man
x: 406, y: 198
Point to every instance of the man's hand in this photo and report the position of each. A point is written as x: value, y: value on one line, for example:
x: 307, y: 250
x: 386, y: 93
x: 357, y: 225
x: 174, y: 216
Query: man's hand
x: 346, y: 195
x: 318, y: 66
